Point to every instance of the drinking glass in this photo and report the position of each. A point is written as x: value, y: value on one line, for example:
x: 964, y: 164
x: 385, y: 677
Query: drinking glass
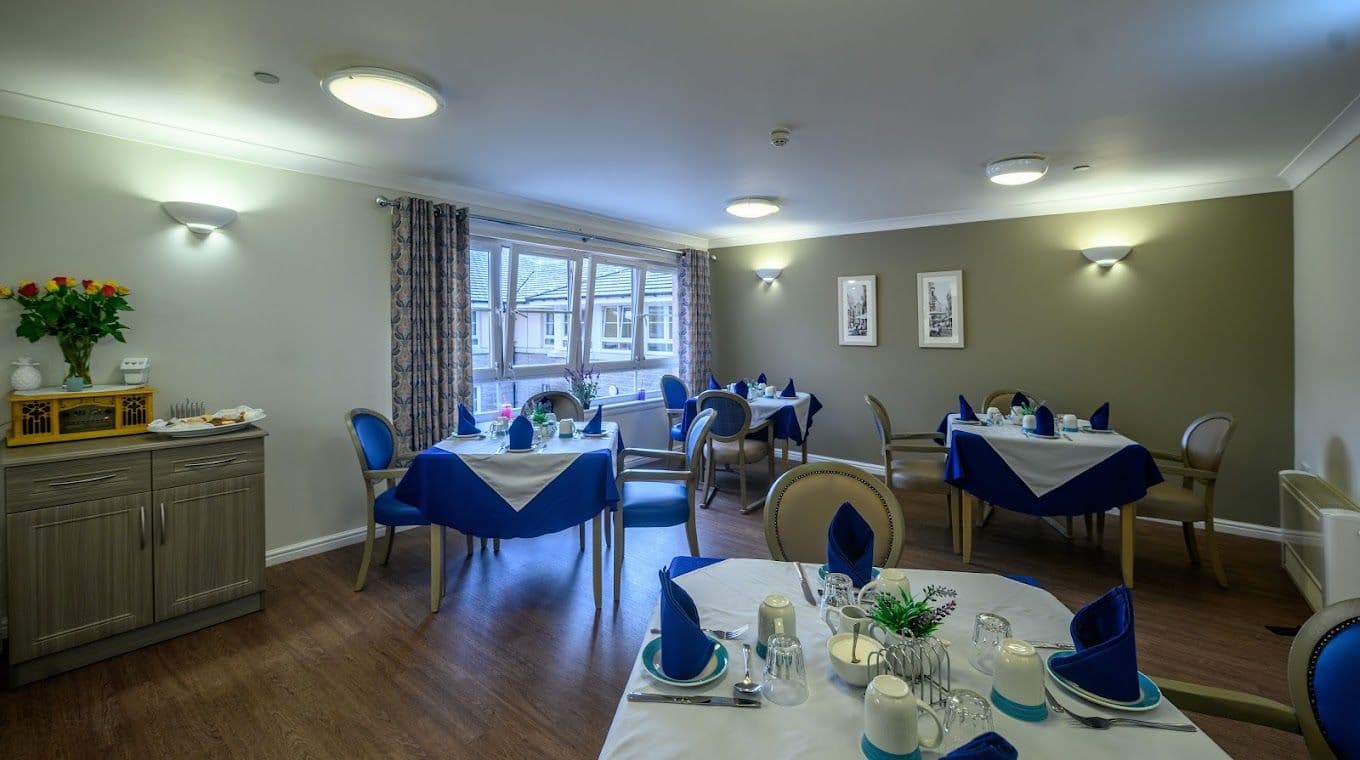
x: 837, y: 591
x: 785, y: 681
x: 966, y: 715
x: 989, y: 629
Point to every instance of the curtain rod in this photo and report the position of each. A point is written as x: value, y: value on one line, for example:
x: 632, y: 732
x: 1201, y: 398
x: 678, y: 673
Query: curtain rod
x: 583, y: 237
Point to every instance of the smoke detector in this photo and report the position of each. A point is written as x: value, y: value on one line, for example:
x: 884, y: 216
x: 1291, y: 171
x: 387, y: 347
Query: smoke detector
x: 779, y: 137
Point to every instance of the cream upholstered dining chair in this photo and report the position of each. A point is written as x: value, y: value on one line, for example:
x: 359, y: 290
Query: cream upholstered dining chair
x: 1324, y: 687
x: 1202, y: 447
x: 650, y: 498
x: 728, y: 443
x: 1001, y: 399
x: 918, y: 474
x: 564, y: 405
x: 802, y: 502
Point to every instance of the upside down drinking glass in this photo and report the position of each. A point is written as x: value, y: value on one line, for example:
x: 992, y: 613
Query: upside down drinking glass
x: 989, y: 629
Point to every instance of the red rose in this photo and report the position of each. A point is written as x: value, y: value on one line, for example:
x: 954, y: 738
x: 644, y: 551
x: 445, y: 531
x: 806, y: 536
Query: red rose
x: 28, y: 290
x: 86, y: 284
x: 108, y: 291
x: 59, y: 280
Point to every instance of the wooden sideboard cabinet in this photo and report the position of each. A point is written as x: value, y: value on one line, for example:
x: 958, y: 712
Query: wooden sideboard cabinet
x: 118, y: 543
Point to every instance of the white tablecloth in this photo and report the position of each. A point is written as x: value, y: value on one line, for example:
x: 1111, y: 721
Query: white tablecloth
x: 1043, y: 464
x: 830, y: 723
x: 763, y: 408
x: 518, y: 478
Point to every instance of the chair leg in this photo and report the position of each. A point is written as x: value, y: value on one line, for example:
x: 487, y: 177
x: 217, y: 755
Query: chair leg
x: 608, y: 529
x: 391, y: 533
x: 955, y: 521
x: 1211, y: 541
x: 496, y: 545
x: 595, y: 558
x: 804, y: 447
x: 618, y: 553
x: 470, y: 544
x: 710, y: 482
x: 368, y: 554
x: 1089, y: 520
x: 436, y: 566
x: 483, y: 544
x: 1100, y: 530
x: 1070, y: 531
x: 582, y: 526
x: 1188, y: 531
x: 966, y: 527
x: 1128, y: 524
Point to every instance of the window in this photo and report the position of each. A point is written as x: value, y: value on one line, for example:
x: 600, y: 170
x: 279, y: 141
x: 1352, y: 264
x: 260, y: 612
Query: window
x: 539, y: 309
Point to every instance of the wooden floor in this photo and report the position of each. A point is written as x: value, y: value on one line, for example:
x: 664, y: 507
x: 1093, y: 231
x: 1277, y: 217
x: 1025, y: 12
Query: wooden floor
x: 519, y: 664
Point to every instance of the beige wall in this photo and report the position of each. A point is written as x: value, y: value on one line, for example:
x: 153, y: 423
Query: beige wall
x: 1327, y: 321
x: 286, y: 309
x: 1197, y: 318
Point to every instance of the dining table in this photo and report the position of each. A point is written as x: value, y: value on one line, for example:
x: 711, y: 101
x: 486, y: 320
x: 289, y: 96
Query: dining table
x: 791, y: 417
x: 480, y: 488
x: 830, y: 722
x: 1077, y: 472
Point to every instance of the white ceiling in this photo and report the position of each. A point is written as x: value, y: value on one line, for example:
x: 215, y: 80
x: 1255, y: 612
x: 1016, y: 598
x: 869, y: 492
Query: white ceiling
x: 657, y: 113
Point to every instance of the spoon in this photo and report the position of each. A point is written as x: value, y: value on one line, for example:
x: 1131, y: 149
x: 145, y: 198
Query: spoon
x: 854, y: 645
x: 746, y: 688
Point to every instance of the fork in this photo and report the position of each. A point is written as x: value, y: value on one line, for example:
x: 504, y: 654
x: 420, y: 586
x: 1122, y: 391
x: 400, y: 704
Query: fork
x: 719, y: 633
x: 1091, y: 721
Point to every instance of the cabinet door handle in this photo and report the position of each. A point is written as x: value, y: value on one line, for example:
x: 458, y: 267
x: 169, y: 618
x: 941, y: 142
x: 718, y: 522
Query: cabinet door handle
x: 162, y: 523
x: 142, y: 511
x: 213, y: 463
x: 95, y: 479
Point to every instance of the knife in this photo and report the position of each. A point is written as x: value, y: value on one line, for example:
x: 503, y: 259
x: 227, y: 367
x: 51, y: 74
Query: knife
x: 807, y: 590
x: 1050, y: 645
x: 643, y: 696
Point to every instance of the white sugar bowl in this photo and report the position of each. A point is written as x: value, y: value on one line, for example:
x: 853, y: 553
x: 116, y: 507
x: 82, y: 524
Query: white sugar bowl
x: 25, y: 376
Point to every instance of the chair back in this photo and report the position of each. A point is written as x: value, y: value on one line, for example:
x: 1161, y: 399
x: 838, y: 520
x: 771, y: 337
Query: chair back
x: 673, y: 392
x: 374, y: 438
x: 1004, y: 395
x: 881, y: 422
x: 1324, y: 680
x: 564, y: 405
x: 801, y: 503
x: 699, y: 431
x: 733, y: 412
x: 1205, y: 439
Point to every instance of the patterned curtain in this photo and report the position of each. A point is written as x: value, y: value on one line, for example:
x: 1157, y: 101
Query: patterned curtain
x: 696, y: 317
x: 431, y: 322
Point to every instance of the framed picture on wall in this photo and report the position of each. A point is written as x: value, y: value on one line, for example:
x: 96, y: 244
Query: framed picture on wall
x: 939, y: 309
x: 857, y: 302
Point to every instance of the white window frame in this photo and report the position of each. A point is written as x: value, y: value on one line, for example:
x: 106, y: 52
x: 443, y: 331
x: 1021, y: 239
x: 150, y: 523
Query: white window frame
x: 514, y: 371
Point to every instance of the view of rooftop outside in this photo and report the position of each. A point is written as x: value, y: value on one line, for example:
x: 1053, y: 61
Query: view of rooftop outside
x: 544, y: 325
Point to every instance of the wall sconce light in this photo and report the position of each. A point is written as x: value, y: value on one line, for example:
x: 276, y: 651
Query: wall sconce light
x: 1107, y: 255
x: 200, y: 218
x: 768, y: 274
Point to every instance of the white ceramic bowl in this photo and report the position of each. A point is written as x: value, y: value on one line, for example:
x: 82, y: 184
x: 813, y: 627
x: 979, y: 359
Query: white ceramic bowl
x: 838, y: 649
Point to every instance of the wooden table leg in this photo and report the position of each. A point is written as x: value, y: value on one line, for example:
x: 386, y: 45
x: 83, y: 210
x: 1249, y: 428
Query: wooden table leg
x: 966, y: 525
x: 595, y: 558
x: 1128, y: 519
x: 436, y: 566
x: 805, y: 448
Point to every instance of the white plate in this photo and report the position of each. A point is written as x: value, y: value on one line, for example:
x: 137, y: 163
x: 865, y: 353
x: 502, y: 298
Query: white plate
x: 594, y: 435
x: 969, y: 422
x: 200, y: 429
x: 519, y: 451
x: 468, y: 436
x: 1150, y: 698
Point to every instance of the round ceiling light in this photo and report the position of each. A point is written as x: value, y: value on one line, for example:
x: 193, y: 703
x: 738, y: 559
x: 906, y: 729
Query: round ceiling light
x: 381, y: 92
x: 753, y: 208
x: 1019, y: 170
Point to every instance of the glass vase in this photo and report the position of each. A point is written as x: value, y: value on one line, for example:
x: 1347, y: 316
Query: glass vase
x: 76, y: 351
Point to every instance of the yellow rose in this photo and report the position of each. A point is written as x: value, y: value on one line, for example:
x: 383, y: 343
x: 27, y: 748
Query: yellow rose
x: 92, y: 286
x: 51, y: 286
x: 6, y: 292
x: 122, y: 291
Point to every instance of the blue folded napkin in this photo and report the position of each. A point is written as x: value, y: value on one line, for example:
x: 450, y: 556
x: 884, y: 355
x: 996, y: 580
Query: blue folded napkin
x: 1100, y: 418
x: 850, y: 545
x: 761, y: 380
x: 521, y: 434
x: 1019, y: 399
x: 741, y: 389
x: 467, y: 424
x: 966, y: 412
x: 685, y: 648
x: 988, y: 746
x: 1044, y: 422
x: 713, y: 383
x: 1106, y: 659
x: 789, y: 391
x: 596, y: 424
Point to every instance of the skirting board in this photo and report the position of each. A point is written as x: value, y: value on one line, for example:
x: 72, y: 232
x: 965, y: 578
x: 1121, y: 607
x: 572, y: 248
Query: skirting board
x: 1234, y: 527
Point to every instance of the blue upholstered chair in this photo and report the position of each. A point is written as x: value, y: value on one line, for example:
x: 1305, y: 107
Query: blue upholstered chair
x: 375, y: 442
x: 731, y: 442
x: 661, y: 498
x: 673, y: 392
x: 1324, y: 685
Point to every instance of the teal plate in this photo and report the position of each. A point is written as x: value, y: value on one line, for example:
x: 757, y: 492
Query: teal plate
x: 716, y: 667
x: 1152, y: 696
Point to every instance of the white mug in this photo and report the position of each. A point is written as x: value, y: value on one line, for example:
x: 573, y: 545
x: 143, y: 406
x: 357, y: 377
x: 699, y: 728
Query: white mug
x: 890, y: 580
x: 1029, y: 422
x: 846, y: 617
x: 993, y: 414
x: 1017, y: 412
x: 1069, y: 421
x: 776, y: 616
x: 891, y: 717
x: 566, y: 426
x: 771, y: 391
x: 1019, y: 673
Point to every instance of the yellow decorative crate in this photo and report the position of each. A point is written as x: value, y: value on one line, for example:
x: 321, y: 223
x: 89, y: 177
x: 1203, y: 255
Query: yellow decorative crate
x: 49, y: 415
